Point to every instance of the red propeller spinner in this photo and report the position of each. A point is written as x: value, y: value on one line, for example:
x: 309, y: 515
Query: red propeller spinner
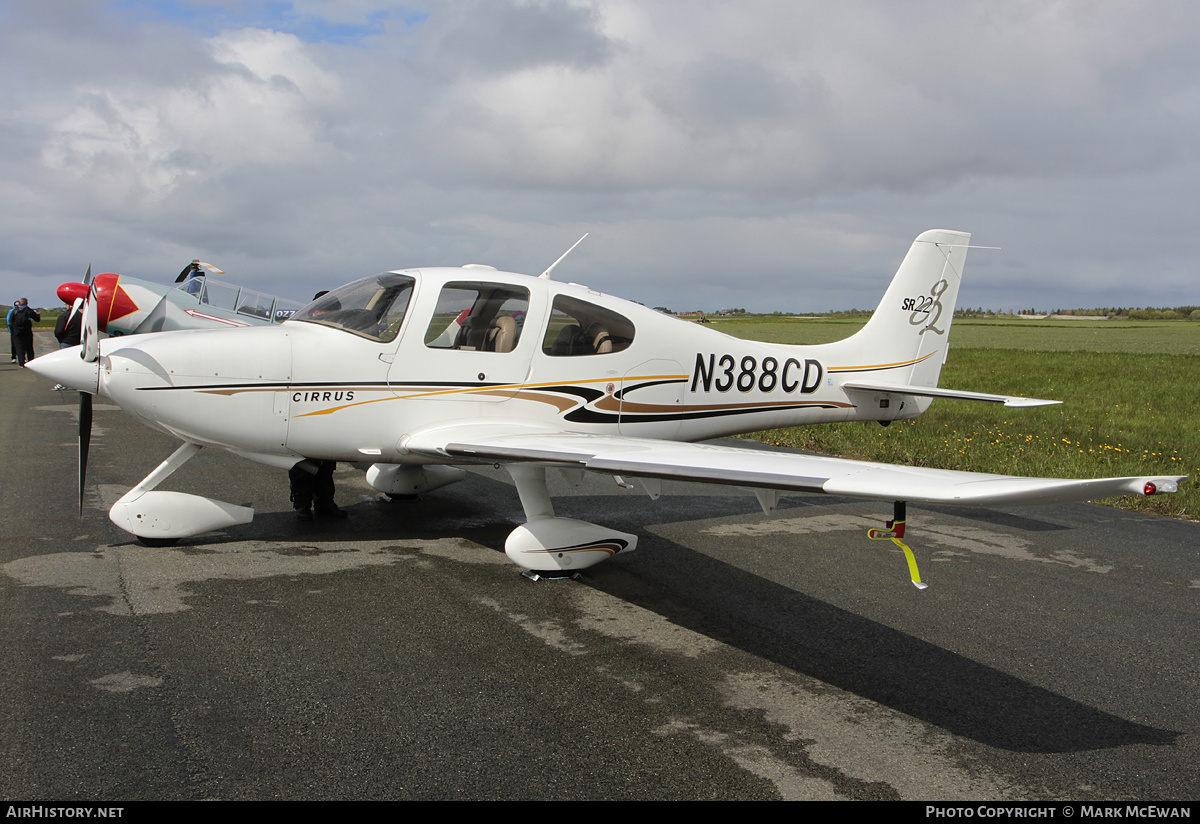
x: 112, y: 301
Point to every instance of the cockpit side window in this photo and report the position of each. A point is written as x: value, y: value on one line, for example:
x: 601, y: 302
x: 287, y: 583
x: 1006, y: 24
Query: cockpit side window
x: 580, y: 328
x: 371, y: 308
x: 479, y: 317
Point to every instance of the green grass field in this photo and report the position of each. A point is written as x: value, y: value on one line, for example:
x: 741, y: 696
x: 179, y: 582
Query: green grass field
x: 1123, y: 336
x: 1128, y: 390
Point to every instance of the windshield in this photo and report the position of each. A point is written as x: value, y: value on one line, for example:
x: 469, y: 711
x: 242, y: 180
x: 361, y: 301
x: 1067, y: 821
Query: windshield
x: 372, y: 308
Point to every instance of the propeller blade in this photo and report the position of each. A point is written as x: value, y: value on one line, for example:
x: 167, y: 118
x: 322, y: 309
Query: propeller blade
x: 90, y: 353
x: 193, y: 270
x: 85, y: 440
x: 90, y: 338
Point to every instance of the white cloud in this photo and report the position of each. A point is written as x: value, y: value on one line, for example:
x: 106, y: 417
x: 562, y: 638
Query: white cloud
x: 132, y: 145
x: 693, y: 139
x: 788, y: 99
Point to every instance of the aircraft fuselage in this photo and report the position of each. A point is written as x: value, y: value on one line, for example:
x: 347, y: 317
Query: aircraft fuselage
x: 304, y: 389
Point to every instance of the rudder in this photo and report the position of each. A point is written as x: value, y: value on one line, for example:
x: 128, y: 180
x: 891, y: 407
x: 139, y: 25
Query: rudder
x: 912, y: 322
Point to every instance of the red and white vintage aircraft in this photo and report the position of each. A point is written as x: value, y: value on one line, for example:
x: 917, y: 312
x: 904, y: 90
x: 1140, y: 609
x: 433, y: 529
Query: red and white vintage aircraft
x: 129, y: 306
x: 419, y: 371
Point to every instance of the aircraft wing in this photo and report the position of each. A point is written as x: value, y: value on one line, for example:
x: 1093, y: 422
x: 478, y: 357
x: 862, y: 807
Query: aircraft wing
x: 766, y: 469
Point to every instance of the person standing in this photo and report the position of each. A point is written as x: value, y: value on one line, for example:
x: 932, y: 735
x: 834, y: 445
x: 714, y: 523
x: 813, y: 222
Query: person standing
x: 69, y: 331
x: 20, y: 324
x: 312, y: 481
x: 12, y: 336
x: 312, y: 488
x: 69, y: 328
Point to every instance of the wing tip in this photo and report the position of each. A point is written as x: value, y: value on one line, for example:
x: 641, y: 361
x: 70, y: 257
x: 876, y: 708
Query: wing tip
x: 1027, y: 403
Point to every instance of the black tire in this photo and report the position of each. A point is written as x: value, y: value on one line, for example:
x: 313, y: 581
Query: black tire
x: 156, y: 542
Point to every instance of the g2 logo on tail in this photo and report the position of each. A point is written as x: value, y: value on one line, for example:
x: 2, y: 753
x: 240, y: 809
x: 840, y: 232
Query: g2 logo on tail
x: 728, y: 372
x: 922, y: 306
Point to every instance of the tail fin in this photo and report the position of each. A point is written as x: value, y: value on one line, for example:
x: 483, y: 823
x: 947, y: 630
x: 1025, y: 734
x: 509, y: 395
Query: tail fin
x: 911, y: 326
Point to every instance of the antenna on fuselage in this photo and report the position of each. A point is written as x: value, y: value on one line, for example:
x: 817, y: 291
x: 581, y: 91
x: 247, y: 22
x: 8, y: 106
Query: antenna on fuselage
x: 546, y: 274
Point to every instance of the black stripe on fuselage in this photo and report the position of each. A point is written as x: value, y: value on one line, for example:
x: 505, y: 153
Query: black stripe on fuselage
x: 587, y: 415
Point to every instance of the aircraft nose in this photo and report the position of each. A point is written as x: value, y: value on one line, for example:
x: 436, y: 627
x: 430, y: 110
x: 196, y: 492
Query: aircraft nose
x: 66, y: 367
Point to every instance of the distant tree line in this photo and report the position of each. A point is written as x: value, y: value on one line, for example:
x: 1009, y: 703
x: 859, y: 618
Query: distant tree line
x: 1111, y: 312
x: 1147, y: 313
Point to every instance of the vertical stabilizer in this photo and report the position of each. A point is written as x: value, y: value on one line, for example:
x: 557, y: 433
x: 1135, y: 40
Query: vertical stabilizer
x: 912, y: 322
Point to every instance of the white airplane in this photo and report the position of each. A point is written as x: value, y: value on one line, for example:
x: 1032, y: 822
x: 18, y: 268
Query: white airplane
x: 417, y: 372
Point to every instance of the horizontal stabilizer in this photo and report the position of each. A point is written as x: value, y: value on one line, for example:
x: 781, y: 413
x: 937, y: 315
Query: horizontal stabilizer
x: 1011, y: 401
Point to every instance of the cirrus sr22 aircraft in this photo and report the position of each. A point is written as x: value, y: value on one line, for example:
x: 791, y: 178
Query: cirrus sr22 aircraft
x: 418, y: 372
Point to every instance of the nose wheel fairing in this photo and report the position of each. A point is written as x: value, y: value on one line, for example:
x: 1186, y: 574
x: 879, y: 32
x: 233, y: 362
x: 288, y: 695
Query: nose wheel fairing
x: 174, y: 515
x: 167, y: 516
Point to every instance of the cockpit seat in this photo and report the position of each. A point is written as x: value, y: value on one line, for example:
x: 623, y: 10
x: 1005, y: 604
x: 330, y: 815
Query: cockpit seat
x: 598, y: 339
x: 502, y: 335
x: 472, y: 334
x: 565, y: 341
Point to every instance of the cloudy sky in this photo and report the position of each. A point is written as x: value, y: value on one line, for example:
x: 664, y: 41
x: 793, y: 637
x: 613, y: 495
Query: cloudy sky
x: 768, y: 155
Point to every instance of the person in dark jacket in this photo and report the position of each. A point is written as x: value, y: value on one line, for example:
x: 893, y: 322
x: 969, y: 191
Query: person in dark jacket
x: 69, y: 331
x: 20, y: 322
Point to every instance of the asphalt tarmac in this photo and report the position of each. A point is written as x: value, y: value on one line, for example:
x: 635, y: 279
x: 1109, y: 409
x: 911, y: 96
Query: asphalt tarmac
x: 399, y: 655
